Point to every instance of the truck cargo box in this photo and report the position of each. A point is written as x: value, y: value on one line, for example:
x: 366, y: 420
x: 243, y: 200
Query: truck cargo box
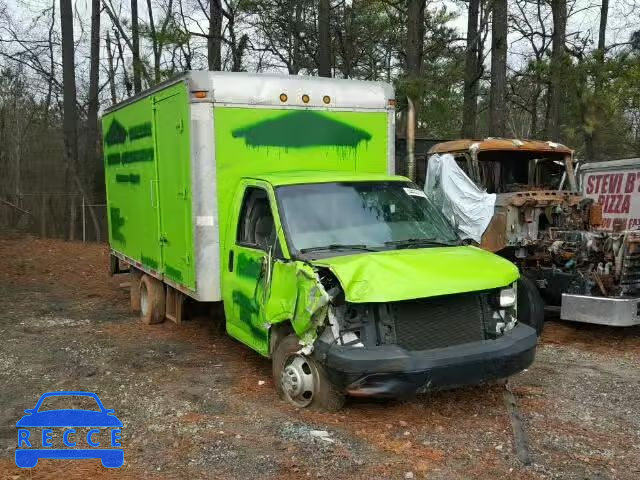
x: 174, y: 155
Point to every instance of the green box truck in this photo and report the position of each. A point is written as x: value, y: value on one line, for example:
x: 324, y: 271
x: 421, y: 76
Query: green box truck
x: 275, y: 195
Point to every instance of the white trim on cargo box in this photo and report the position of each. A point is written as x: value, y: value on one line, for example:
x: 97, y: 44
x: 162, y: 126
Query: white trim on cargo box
x: 261, y: 89
x: 204, y: 197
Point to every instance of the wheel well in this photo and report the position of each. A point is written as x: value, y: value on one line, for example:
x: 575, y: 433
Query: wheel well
x: 277, y: 332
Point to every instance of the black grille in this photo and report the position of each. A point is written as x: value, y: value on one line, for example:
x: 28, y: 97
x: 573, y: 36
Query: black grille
x: 439, y: 321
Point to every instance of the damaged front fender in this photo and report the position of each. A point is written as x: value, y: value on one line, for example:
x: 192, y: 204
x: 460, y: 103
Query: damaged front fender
x: 296, y: 294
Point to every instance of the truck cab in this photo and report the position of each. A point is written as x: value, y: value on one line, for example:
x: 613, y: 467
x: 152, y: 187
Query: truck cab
x: 358, y: 285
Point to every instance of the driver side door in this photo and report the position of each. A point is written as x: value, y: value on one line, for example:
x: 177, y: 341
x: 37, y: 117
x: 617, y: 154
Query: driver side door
x: 249, y: 240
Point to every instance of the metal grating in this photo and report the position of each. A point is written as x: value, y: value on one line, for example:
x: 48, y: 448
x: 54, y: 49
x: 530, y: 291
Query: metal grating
x: 439, y: 322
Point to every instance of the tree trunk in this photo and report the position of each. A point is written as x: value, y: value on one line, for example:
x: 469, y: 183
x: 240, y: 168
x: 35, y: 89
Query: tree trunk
x: 415, y: 53
x: 471, y: 77
x: 590, y: 124
x: 135, y: 50
x: 214, y: 41
x: 154, y: 44
x: 95, y: 179
x: 324, y: 39
x: 602, y: 33
x: 498, y: 91
x: 69, y: 105
x: 127, y: 82
x: 296, y: 54
x: 94, y: 75
x: 415, y: 37
x: 112, y: 72
x: 559, y: 11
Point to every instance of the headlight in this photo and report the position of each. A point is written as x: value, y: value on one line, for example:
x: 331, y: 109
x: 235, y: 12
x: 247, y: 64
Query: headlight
x: 508, y: 297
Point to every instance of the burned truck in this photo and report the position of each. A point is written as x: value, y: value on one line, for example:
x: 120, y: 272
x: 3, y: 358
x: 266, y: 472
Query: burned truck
x: 520, y: 199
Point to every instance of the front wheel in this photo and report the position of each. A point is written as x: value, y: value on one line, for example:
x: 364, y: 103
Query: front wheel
x: 301, y: 380
x: 530, y: 305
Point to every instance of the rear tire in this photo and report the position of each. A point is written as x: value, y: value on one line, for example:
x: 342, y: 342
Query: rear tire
x: 135, y: 277
x: 530, y: 305
x: 301, y: 380
x: 152, y: 302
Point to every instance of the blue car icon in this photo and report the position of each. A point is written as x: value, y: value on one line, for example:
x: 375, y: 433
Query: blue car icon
x: 68, y: 419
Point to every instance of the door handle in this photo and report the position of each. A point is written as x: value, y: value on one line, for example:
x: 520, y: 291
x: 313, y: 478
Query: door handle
x: 230, y: 260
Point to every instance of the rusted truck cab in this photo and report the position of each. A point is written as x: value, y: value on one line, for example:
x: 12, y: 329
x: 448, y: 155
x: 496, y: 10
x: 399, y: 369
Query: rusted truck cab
x: 550, y: 230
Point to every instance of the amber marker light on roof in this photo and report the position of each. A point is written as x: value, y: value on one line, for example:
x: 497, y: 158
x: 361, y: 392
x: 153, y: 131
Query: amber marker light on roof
x: 200, y: 94
x: 326, y: 99
x: 283, y: 97
x: 305, y: 98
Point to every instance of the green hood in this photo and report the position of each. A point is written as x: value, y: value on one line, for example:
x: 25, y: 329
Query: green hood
x: 406, y: 274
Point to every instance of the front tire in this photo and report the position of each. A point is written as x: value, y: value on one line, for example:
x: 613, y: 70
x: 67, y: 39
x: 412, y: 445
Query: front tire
x: 530, y: 305
x: 301, y: 380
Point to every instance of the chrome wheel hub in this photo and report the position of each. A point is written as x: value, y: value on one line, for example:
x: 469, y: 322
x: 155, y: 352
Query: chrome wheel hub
x: 297, y: 380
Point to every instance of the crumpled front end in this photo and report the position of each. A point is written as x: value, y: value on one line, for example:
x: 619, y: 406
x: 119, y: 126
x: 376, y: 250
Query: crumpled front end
x: 397, y: 349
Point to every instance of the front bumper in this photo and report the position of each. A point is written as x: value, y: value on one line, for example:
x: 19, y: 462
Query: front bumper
x: 391, y: 371
x: 616, y: 312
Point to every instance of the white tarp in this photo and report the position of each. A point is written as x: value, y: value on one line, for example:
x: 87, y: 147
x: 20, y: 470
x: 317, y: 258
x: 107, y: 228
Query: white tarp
x: 458, y: 197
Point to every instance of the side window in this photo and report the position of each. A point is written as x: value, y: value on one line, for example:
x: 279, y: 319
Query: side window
x: 255, y: 226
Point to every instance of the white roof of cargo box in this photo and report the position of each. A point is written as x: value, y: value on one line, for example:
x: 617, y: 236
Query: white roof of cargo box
x: 265, y: 89
x: 621, y: 163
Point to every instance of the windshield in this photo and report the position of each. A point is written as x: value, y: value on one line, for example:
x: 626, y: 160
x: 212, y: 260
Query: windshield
x: 511, y: 171
x: 360, y: 216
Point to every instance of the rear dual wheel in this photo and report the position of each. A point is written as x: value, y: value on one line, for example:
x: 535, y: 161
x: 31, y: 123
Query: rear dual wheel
x: 301, y: 380
x: 152, y: 301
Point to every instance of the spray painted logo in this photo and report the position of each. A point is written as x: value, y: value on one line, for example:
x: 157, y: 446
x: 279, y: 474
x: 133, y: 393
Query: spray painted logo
x: 47, y: 431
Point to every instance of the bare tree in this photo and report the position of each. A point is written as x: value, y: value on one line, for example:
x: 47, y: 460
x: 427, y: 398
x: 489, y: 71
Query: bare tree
x: 559, y: 11
x: 498, y: 91
x: 324, y: 39
x: 590, y: 125
x: 214, y: 41
x: 69, y: 105
x: 471, y: 72
x: 135, y: 48
x: 111, y: 70
x: 158, y: 36
x: 530, y: 21
x: 94, y: 75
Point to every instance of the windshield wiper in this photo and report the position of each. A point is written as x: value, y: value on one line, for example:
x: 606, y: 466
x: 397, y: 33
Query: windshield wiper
x: 338, y: 246
x: 426, y: 242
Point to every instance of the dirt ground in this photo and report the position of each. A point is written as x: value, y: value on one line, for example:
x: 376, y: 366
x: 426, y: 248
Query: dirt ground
x: 197, y: 404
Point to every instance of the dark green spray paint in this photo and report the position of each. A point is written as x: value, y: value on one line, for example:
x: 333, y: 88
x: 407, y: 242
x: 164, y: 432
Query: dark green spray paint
x: 248, y: 267
x: 130, y: 156
x: 132, y: 178
x: 249, y: 309
x: 118, y: 134
x: 149, y: 262
x: 173, y: 273
x: 117, y: 222
x: 301, y: 129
